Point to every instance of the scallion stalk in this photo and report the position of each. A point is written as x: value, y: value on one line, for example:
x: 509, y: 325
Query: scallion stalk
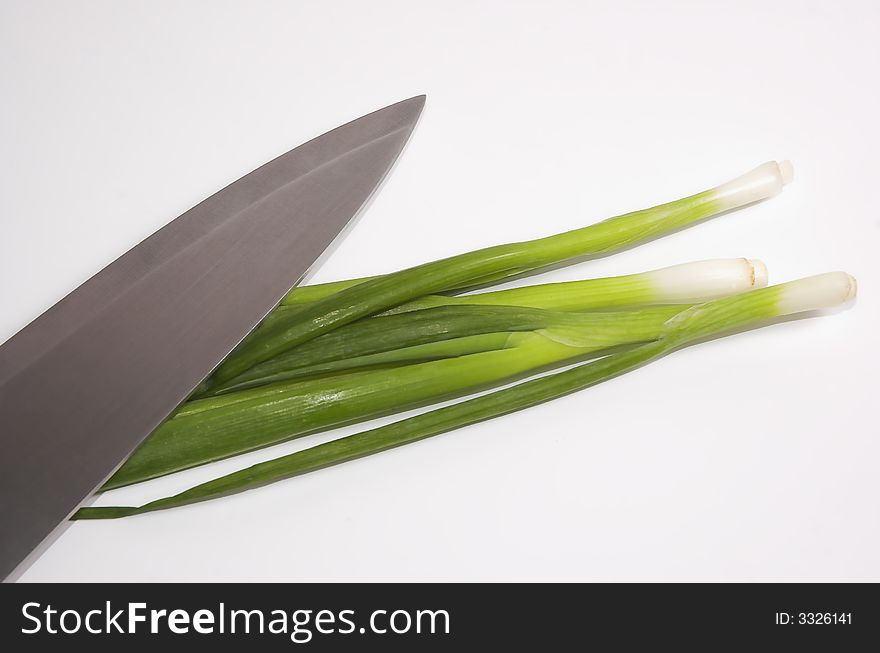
x: 686, y: 283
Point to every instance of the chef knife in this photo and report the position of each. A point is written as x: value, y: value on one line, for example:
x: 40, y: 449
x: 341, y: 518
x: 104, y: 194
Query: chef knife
x: 88, y: 380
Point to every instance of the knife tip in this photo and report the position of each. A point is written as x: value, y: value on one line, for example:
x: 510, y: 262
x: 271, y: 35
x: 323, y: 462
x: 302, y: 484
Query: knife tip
x: 417, y: 101
x: 410, y: 109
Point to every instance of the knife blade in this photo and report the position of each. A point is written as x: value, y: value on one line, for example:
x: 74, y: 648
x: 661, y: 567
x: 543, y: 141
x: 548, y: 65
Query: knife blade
x: 83, y: 384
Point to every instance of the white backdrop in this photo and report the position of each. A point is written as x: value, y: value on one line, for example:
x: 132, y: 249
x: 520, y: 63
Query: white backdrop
x: 749, y: 458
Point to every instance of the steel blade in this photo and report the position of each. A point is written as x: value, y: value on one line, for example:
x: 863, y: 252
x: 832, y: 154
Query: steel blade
x: 87, y: 381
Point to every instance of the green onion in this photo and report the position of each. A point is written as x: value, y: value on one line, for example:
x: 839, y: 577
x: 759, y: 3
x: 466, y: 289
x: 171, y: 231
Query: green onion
x: 357, y: 342
x: 689, y: 326
x: 217, y: 427
x: 687, y: 283
x: 499, y: 262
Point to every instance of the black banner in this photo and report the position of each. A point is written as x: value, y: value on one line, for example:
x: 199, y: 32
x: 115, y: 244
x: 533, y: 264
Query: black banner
x: 437, y: 616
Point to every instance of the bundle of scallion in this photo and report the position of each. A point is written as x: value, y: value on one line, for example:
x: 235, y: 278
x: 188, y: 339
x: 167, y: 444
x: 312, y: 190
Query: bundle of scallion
x: 685, y: 327
x: 349, y: 351
x: 396, y: 362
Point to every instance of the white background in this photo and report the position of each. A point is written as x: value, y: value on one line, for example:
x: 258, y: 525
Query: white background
x: 749, y: 458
